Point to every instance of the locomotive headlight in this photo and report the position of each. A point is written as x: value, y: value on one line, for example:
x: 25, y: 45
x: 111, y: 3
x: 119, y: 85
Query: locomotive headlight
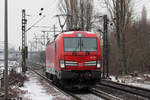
x: 62, y: 64
x: 98, y: 64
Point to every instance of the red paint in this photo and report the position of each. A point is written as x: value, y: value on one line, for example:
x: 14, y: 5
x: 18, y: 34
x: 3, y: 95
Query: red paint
x: 54, y: 55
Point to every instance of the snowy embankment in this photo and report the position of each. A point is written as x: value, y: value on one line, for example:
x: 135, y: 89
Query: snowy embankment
x: 140, y: 81
x: 37, y: 89
x: 34, y: 90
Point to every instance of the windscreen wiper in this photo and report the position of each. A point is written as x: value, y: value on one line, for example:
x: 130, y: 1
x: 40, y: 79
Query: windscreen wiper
x: 86, y: 52
x: 76, y: 48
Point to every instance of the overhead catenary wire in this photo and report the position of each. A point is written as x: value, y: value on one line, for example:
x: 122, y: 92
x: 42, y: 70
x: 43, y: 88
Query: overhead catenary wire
x: 35, y: 23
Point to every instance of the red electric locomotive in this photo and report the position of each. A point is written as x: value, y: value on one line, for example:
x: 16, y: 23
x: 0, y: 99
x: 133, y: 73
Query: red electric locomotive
x: 73, y: 59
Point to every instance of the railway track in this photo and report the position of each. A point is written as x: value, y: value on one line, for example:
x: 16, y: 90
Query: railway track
x: 126, y: 88
x: 68, y: 94
x: 104, y: 95
x: 122, y: 87
x: 92, y: 91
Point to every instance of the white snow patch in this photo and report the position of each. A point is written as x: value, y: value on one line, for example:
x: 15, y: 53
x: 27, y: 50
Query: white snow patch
x: 34, y: 90
x: 89, y: 97
x: 138, y: 78
x: 140, y: 85
x: 18, y: 69
x: 113, y: 78
x: 133, y: 81
x: 147, y: 75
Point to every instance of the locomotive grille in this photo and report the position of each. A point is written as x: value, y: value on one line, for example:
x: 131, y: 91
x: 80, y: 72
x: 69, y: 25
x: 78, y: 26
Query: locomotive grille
x: 70, y: 63
x: 90, y: 63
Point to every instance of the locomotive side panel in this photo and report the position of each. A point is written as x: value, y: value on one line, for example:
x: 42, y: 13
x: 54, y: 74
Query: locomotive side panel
x: 50, y: 58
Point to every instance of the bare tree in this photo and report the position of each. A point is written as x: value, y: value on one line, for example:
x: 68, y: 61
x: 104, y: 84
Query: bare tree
x: 120, y: 12
x: 138, y: 45
x: 144, y: 16
x: 133, y: 37
x: 81, y: 13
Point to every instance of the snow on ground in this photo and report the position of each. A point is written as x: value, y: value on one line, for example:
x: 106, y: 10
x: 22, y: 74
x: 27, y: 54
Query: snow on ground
x: 140, y: 85
x: 113, y: 78
x: 135, y: 81
x: 89, y: 97
x: 34, y: 90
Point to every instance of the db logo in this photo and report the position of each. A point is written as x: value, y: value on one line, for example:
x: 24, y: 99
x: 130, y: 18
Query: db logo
x: 80, y: 64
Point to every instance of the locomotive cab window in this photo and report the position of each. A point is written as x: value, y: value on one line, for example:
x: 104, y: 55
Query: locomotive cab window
x: 80, y: 44
x: 88, y: 44
x: 71, y: 44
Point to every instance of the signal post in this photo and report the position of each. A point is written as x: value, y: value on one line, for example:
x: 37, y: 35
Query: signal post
x: 24, y: 42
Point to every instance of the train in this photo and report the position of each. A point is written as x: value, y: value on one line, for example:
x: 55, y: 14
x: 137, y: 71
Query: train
x: 73, y: 59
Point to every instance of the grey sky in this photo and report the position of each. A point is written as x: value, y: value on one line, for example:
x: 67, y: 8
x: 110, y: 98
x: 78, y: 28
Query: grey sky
x: 33, y: 8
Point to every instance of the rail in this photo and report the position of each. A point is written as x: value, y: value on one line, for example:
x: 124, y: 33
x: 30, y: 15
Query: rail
x: 104, y: 95
x: 74, y: 97
x: 94, y: 91
x: 127, y: 88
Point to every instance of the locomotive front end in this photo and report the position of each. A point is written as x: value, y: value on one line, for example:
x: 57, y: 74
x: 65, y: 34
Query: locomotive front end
x: 80, y: 61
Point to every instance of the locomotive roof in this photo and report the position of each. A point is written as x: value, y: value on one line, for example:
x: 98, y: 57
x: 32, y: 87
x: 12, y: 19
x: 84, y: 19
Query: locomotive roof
x: 72, y: 32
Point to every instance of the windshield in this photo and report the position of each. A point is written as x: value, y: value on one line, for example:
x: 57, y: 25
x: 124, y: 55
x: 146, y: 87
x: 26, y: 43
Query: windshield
x: 71, y: 44
x: 80, y: 44
x: 88, y: 44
